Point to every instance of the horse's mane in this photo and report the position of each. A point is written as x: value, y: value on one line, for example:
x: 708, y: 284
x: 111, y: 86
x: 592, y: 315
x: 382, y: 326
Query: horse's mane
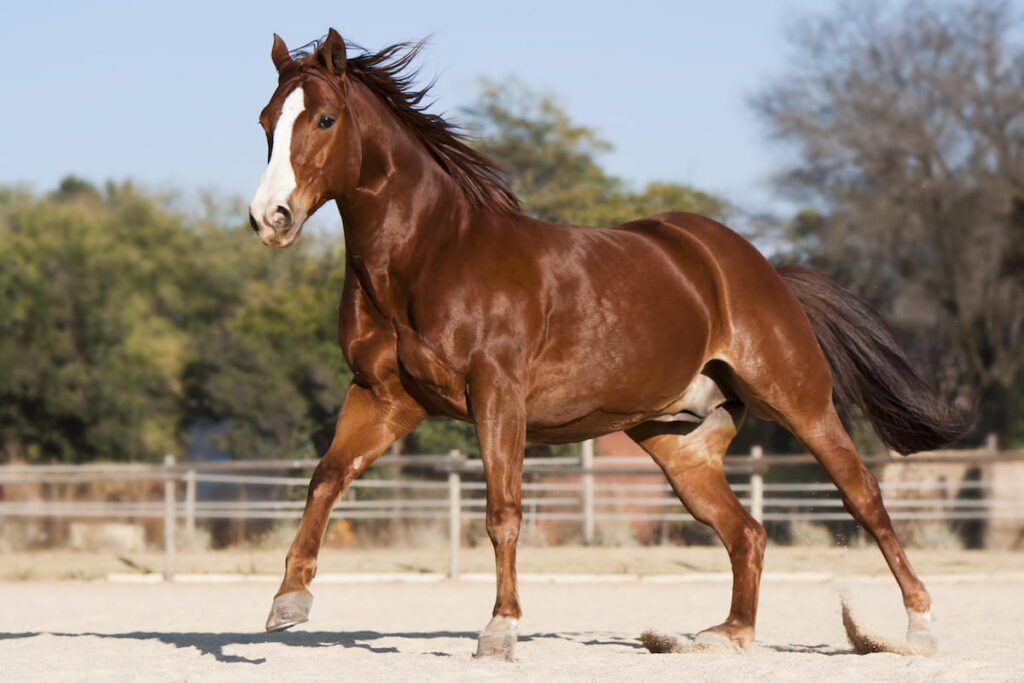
x: 386, y: 75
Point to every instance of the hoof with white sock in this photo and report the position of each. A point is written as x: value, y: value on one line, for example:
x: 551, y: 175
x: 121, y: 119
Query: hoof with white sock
x: 288, y: 610
x: 919, y: 633
x: 498, y: 640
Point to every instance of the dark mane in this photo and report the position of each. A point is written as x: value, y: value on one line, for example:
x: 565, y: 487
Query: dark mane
x: 385, y: 74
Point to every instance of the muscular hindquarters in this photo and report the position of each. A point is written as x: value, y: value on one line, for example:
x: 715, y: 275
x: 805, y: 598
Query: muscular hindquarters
x: 776, y: 366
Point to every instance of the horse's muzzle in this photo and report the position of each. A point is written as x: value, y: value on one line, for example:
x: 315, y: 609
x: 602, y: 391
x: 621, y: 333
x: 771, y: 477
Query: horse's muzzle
x: 278, y: 225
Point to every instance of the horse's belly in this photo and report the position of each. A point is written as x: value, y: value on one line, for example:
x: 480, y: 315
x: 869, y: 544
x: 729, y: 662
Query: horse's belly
x: 616, y: 383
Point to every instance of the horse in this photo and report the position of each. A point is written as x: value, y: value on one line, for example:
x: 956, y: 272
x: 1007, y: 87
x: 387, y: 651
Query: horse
x: 457, y: 303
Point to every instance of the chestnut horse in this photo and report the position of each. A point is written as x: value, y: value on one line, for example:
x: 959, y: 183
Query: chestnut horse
x: 457, y: 303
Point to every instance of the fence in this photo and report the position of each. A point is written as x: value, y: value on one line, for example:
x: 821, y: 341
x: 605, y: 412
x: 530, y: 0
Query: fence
x: 585, y: 490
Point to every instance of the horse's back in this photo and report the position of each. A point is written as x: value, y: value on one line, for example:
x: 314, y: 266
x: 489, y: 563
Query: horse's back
x: 749, y: 293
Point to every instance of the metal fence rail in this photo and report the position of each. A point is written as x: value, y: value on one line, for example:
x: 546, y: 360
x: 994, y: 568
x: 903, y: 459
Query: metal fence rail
x: 584, y: 490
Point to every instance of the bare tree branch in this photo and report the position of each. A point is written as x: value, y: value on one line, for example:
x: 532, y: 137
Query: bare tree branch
x: 909, y: 128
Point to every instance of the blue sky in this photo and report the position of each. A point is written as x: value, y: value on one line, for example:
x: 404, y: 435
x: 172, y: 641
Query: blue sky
x: 169, y: 94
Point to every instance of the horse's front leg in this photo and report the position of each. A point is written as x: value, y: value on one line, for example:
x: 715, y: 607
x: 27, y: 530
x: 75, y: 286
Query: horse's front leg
x: 499, y: 415
x: 366, y: 426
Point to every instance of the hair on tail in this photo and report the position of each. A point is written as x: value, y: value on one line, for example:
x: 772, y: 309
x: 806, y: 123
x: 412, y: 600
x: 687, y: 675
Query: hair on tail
x: 870, y: 370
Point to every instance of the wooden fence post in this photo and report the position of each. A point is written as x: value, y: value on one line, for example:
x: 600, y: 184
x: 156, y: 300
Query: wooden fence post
x: 587, y: 479
x: 170, y: 519
x: 455, y: 460
x: 190, y: 506
x: 757, y: 484
x: 396, y: 494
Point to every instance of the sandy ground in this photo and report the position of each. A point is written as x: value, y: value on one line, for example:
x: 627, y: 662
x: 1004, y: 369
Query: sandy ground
x: 866, y: 560
x: 76, y: 630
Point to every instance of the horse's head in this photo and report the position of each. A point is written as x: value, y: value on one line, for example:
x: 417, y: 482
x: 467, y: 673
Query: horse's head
x: 304, y: 120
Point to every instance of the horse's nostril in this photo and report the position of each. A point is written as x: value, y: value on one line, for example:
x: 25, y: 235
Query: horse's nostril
x: 284, y: 217
x: 252, y: 222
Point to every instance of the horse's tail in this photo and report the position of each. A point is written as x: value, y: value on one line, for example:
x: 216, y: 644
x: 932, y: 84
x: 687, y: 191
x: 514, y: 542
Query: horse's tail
x: 869, y: 370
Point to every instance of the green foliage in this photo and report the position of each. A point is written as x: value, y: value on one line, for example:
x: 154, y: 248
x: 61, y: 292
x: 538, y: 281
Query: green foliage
x: 90, y: 353
x: 552, y: 163
x: 440, y: 435
x: 271, y: 367
x: 123, y: 324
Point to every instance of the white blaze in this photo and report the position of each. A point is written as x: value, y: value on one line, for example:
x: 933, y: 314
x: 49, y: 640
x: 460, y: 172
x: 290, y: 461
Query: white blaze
x: 278, y: 180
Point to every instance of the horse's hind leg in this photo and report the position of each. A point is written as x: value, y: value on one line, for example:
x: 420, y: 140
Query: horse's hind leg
x: 799, y: 397
x: 499, y: 415
x: 366, y: 426
x: 825, y: 437
x: 693, y: 464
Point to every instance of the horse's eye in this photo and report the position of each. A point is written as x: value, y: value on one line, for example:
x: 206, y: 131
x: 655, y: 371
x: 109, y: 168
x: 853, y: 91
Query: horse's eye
x: 326, y: 121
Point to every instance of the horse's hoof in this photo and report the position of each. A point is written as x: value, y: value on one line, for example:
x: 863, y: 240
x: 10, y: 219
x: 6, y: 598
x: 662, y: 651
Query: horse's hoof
x: 920, y: 638
x: 727, y: 637
x: 712, y: 641
x: 498, y: 641
x: 288, y: 610
x: 496, y: 646
x: 923, y: 643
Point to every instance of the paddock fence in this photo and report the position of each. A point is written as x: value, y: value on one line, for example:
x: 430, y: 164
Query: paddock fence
x: 981, y: 486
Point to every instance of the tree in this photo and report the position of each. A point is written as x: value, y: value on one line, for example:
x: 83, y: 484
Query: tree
x: 267, y: 374
x: 908, y: 125
x: 126, y: 326
x: 85, y: 301
x: 552, y: 163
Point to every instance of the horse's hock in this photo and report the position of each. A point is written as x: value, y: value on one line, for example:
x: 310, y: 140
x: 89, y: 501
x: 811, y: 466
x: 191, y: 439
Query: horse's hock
x: 965, y: 488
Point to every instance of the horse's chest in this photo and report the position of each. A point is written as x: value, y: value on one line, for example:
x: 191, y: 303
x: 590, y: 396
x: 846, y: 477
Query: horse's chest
x: 436, y: 384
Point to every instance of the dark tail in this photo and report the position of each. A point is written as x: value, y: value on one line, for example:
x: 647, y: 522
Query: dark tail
x: 869, y: 370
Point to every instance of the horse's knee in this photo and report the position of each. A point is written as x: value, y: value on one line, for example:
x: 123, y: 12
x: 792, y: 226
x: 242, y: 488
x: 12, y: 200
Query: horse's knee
x: 755, y: 538
x: 503, y: 521
x: 333, y: 473
x: 326, y: 472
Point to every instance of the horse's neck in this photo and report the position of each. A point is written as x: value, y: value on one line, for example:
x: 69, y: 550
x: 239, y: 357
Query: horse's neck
x: 403, y: 215
x: 404, y: 204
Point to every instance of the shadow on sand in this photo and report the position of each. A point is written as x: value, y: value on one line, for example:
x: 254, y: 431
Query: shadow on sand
x: 213, y: 644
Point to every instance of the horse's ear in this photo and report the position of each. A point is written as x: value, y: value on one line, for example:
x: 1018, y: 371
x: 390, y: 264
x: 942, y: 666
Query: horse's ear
x: 279, y: 53
x: 332, y: 52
